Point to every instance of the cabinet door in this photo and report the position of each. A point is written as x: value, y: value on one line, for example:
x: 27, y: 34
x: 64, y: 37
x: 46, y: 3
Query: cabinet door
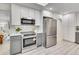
x: 15, y: 44
x: 15, y: 14
x: 69, y: 27
x: 39, y: 38
x: 77, y: 19
x: 65, y: 27
x: 72, y: 20
x: 24, y: 12
x: 31, y: 13
x: 37, y: 17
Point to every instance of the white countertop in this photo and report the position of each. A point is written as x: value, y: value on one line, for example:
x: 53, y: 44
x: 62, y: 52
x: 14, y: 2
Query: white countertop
x: 14, y: 34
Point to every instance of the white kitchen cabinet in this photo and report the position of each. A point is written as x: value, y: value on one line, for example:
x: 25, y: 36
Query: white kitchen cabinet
x: 24, y: 12
x: 37, y: 17
x: 15, y: 15
x: 65, y: 27
x: 31, y: 13
x: 47, y: 13
x: 72, y: 20
x: 15, y: 44
x: 72, y: 23
x: 69, y: 22
x: 27, y: 13
x: 77, y: 21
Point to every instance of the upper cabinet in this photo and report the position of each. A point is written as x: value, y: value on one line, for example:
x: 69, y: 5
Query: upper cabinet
x: 37, y: 17
x: 24, y: 12
x: 31, y: 13
x: 68, y: 23
x: 15, y: 15
x: 77, y: 21
x: 18, y: 12
x: 47, y: 13
x: 27, y: 13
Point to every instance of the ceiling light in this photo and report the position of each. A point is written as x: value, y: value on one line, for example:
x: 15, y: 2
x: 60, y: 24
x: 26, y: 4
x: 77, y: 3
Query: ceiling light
x: 43, y: 4
x: 50, y: 8
x: 60, y: 16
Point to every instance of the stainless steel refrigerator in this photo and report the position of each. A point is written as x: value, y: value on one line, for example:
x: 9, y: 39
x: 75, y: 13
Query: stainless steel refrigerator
x: 50, y: 32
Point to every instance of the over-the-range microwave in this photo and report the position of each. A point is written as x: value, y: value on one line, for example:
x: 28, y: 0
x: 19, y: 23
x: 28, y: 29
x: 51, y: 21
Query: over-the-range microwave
x: 27, y: 21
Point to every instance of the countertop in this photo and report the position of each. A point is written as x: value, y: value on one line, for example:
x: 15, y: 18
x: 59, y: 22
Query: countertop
x: 15, y: 34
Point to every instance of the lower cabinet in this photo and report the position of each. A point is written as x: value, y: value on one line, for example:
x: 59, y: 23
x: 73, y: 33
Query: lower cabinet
x: 15, y: 44
x: 18, y: 12
x: 69, y: 22
x: 39, y: 38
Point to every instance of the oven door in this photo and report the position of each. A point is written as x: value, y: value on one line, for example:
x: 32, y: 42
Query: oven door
x: 28, y: 41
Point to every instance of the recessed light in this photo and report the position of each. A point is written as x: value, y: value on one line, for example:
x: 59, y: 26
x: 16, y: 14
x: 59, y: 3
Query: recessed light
x: 43, y: 4
x: 50, y: 8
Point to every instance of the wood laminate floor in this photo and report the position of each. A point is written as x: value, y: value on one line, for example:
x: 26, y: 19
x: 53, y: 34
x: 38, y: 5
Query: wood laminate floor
x: 63, y: 48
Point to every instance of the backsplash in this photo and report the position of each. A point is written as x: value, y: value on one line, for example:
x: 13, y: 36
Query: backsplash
x: 24, y: 28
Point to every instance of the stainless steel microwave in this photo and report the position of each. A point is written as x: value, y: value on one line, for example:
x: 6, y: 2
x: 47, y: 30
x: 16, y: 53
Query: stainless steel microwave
x: 27, y: 21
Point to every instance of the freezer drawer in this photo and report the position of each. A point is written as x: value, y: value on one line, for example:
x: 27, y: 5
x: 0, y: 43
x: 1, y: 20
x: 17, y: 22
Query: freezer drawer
x: 15, y: 44
x: 28, y: 42
x: 51, y: 41
x: 77, y: 37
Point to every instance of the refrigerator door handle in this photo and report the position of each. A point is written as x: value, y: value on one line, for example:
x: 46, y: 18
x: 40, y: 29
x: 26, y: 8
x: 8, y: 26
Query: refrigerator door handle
x: 52, y: 35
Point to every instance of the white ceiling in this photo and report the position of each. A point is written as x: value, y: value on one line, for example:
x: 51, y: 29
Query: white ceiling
x: 43, y: 4
x: 31, y: 5
x: 64, y: 7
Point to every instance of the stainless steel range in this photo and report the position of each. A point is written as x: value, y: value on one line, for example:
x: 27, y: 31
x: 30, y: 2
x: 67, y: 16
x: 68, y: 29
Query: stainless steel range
x: 29, y: 38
